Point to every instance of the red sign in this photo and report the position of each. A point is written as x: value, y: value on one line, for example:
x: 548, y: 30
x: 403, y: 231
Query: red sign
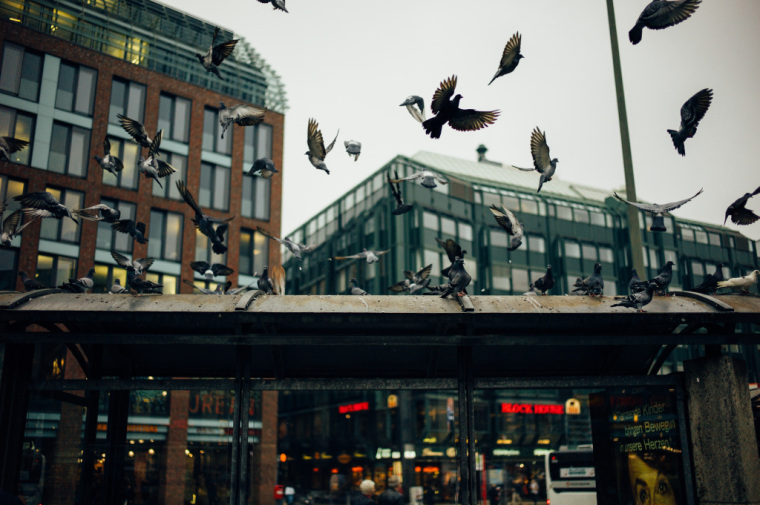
x: 353, y: 407
x: 531, y: 408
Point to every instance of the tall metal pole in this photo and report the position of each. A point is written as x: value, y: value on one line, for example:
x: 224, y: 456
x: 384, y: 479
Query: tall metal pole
x: 634, y: 232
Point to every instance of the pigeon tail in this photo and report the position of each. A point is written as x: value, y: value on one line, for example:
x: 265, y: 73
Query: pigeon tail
x: 635, y: 34
x: 219, y: 248
x: 677, y: 142
x: 434, y: 126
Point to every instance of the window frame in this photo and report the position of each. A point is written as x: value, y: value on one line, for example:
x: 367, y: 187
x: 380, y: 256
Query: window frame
x: 70, y: 130
x: 170, y: 132
x: 210, y: 201
x: 252, y: 183
x: 124, y: 106
x: 65, y: 222
x: 219, y: 145
x: 26, y: 153
x: 18, y: 73
x: 165, y: 214
x: 118, y: 146
x: 75, y: 93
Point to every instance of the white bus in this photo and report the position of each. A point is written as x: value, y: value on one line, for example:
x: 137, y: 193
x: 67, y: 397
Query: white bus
x: 570, y: 477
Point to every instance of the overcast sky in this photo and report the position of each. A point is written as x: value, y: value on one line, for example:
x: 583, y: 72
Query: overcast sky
x: 350, y: 63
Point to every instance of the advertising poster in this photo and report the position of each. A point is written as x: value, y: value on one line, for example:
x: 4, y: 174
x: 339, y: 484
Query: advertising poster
x: 637, y: 447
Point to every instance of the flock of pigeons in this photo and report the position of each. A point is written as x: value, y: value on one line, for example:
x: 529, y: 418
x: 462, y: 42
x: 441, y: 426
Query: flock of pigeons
x: 658, y: 14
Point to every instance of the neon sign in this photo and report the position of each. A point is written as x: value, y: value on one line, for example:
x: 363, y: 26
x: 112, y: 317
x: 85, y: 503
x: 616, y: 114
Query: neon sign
x: 531, y: 408
x: 353, y: 407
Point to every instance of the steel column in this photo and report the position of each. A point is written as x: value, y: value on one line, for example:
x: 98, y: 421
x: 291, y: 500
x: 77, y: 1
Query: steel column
x: 14, y: 398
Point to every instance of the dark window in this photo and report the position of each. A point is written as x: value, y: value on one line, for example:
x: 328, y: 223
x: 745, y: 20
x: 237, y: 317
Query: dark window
x: 54, y: 270
x: 108, y: 238
x: 76, y: 88
x: 254, y: 252
x: 174, y: 117
x: 255, y: 202
x: 215, y: 187
x: 20, y: 125
x: 170, y: 183
x: 212, y: 132
x: 21, y: 71
x: 128, y: 152
x: 165, y: 235
x: 8, y: 266
x: 69, y: 150
x: 105, y: 275
x: 258, y: 144
x: 65, y: 229
x: 128, y: 99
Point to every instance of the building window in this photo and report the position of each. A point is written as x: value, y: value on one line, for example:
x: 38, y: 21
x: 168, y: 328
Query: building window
x: 687, y: 234
x: 572, y: 249
x: 529, y: 206
x: 128, y: 152
x: 8, y: 267
x: 174, y: 117
x: 581, y: 216
x: 256, y: 194
x: 501, y: 277
x: 106, y: 275
x: 17, y: 124
x: 170, y: 186
x: 127, y: 99
x: 204, y: 252
x: 430, y: 221
x: 597, y: 218
x: 21, y: 71
x: 8, y: 189
x: 258, y: 143
x: 565, y: 213
x: 701, y: 236
x: 589, y: 252
x: 497, y: 237
x: 165, y: 235
x: 76, y: 88
x: 448, y: 227
x: 212, y: 132
x: 254, y: 252
x: 520, y: 281
x: 215, y: 187
x: 536, y: 244
x: 64, y: 230
x: 108, y: 238
x: 605, y: 255
x: 671, y: 256
x: 714, y: 238
x: 69, y: 150
x: 55, y: 270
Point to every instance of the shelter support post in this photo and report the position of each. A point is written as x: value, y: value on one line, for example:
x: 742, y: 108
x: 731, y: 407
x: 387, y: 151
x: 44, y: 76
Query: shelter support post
x: 466, y: 446
x: 116, y: 448
x: 14, y: 398
x: 722, y: 430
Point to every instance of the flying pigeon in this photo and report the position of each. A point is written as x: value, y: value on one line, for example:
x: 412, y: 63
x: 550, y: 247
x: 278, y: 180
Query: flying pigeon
x: 43, y: 204
x: 276, y: 4
x: 511, y: 225
x: 542, y: 162
x: 417, y: 113
x: 139, y: 284
x: 140, y: 266
x: 31, y: 284
x: 453, y: 251
x: 638, y: 300
x: 137, y: 231
x: 710, y: 283
x: 265, y: 283
x: 80, y: 285
x: 355, y: 289
x: 12, y: 226
x: 660, y: 14
x: 353, y: 148
x: 10, y: 145
x: 107, y: 214
x: 297, y: 249
x: 545, y: 283
x: 215, y: 55
x: 243, y: 115
x: 447, y: 110
x: 742, y: 283
x: 427, y: 179
x: 459, y: 279
x: 370, y: 256
x: 692, y: 113
x: 510, y: 57
x: 277, y: 275
x: 108, y: 162
x: 593, y: 285
x: 263, y: 167
x: 317, y: 151
x: 401, y: 207
x: 205, y: 224
x: 152, y: 167
x: 136, y: 129
x: 414, y: 281
x: 211, y: 271
x: 657, y: 211
x: 739, y: 213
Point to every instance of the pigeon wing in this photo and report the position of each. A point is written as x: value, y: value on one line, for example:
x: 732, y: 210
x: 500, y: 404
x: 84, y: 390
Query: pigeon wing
x: 248, y: 116
x: 135, y: 128
x: 539, y: 149
x: 332, y: 144
x: 156, y: 144
x: 695, y: 107
x: 314, y: 140
x: 121, y: 260
x: 443, y: 94
x: 15, y: 144
x: 220, y: 269
x: 471, y: 119
x: 424, y: 272
x: 671, y: 13
x: 643, y: 206
x: 37, y: 200
x: 453, y: 250
x: 124, y: 226
x: 200, y: 266
x: 674, y: 205
x: 140, y: 227
x: 164, y: 168
x: 222, y: 50
x: 188, y: 197
x: 412, y: 177
x: 505, y: 218
x: 511, y: 50
x: 11, y: 222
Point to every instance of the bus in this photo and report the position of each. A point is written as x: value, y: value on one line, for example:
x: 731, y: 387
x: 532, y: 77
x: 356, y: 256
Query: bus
x: 570, y: 476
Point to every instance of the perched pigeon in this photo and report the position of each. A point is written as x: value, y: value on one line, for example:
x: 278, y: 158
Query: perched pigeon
x: 108, y: 162
x: 140, y: 266
x: 140, y: 285
x: 353, y: 148
x: 117, y: 288
x: 447, y: 110
x: 663, y: 277
x: 277, y: 275
x: 638, y: 300
x: 459, y: 279
x: 263, y: 167
x: 453, y: 251
x: 205, y: 224
x: 417, y: 113
x: 545, y: 283
x: 401, y: 207
x: 31, y: 284
x: 276, y: 4
x: 10, y: 145
x: 211, y: 271
x: 317, y: 151
x: 136, y: 129
x: 581, y: 286
x: 297, y: 249
x: 593, y: 285
x: 414, y: 281
x: 511, y: 225
x: 43, y: 204
x: 692, y: 113
x: 107, y: 214
x: 80, y: 285
x: 660, y: 14
x: 152, y: 167
x: 265, y: 283
x: 636, y: 285
x: 710, y: 283
x: 355, y: 289
x: 427, y: 179
x: 243, y: 115
x: 531, y: 291
x: 742, y: 283
x: 542, y: 161
x: 739, y: 213
x: 510, y: 57
x: 137, y: 231
x: 215, y: 55
x: 657, y: 211
x: 370, y: 256
x: 12, y: 226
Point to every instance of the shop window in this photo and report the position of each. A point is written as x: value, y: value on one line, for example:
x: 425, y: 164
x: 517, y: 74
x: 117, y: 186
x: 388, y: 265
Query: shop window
x: 214, y: 192
x: 109, y: 239
x: 170, y: 190
x: 21, y: 71
x: 64, y: 230
x: 128, y: 152
x: 258, y: 143
x: 69, y: 150
x: 174, y: 117
x: 127, y: 99
x: 76, y: 88
x: 212, y: 133
x: 254, y: 252
x: 20, y: 125
x: 165, y: 235
x: 55, y: 270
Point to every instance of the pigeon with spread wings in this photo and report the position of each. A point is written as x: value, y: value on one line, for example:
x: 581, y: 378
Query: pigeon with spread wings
x: 243, y: 115
x: 453, y: 251
x: 507, y: 220
x: 109, y: 162
x: 658, y: 211
x: 105, y: 213
x: 427, y: 179
x: 152, y: 167
x: 542, y: 161
x: 447, y: 110
x: 10, y: 145
x: 136, y: 230
x: 297, y: 249
x: 370, y: 256
x: 210, y: 271
x: 43, y: 204
x: 140, y: 266
x: 136, y: 130
x: 276, y: 4
x: 739, y: 213
x: 415, y: 281
x: 12, y: 225
x: 692, y: 113
x: 510, y: 57
x: 215, y: 55
x: 401, y: 207
x: 263, y: 167
x: 204, y: 223
x: 317, y: 151
x: 418, y: 112
x: 660, y: 14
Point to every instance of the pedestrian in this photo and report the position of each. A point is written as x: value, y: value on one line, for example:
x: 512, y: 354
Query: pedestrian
x: 290, y: 495
x: 534, y: 488
x: 392, y: 494
x: 367, y: 497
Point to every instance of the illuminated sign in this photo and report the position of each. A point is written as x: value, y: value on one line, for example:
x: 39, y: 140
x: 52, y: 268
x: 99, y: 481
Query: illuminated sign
x: 506, y: 452
x: 531, y: 408
x: 353, y: 407
x: 143, y: 428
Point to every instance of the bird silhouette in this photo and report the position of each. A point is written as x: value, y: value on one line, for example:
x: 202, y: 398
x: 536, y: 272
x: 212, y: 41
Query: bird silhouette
x: 204, y: 223
x: 692, y: 112
x: 739, y: 213
x: 317, y: 151
x: 216, y: 54
x: 508, y: 221
x: 660, y: 14
x: 447, y: 110
x: 243, y: 115
x: 510, y: 57
x: 542, y: 161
